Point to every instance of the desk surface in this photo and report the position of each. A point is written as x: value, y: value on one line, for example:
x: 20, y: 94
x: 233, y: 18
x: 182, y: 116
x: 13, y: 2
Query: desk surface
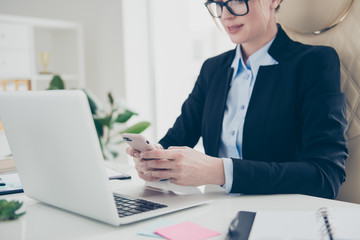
x: 45, y: 222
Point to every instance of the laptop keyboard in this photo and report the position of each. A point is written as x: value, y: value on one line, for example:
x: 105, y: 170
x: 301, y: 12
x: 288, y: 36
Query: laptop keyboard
x: 127, y: 207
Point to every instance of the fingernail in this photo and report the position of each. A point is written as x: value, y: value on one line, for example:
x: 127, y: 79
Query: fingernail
x: 137, y: 155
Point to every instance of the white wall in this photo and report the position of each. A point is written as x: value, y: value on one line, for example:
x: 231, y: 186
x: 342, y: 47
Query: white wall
x: 184, y: 36
x: 138, y: 62
x: 165, y: 44
x: 103, y: 46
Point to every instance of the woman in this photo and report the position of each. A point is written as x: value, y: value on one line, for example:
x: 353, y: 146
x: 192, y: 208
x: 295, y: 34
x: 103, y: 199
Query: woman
x: 270, y: 113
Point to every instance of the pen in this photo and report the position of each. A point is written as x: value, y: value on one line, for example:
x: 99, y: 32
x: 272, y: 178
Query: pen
x: 2, y: 183
x: 120, y: 177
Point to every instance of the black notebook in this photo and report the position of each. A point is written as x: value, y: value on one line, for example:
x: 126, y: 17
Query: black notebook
x: 325, y: 223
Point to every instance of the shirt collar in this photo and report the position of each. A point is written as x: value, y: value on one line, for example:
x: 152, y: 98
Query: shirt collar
x: 260, y: 58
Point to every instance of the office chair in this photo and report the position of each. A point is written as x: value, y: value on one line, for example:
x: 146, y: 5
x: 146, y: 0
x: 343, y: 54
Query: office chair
x: 337, y: 24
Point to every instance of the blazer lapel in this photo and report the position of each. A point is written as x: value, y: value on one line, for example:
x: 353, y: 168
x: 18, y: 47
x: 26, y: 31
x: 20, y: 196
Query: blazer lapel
x: 215, y: 108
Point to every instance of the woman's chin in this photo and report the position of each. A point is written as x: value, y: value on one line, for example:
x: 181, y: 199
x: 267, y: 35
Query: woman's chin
x: 237, y: 39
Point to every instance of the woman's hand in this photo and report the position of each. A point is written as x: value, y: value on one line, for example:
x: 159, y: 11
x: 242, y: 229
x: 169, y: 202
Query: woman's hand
x: 139, y: 163
x: 182, y: 165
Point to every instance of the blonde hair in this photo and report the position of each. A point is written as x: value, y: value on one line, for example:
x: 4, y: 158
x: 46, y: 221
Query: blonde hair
x: 277, y: 8
x: 263, y: 10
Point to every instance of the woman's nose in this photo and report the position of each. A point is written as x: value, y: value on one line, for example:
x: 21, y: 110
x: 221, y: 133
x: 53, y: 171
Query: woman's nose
x: 226, y: 14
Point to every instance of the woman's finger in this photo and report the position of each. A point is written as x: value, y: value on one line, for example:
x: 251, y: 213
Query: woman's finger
x: 159, y: 146
x: 140, y: 164
x: 147, y: 177
x: 160, y: 174
x: 176, y: 147
x: 132, y: 152
x: 159, y: 154
x: 158, y: 164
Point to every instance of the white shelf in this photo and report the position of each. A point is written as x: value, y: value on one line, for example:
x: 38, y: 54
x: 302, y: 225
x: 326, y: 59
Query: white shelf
x: 48, y: 77
x: 63, y: 40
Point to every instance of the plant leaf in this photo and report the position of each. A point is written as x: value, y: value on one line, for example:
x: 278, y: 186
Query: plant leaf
x: 124, y: 117
x: 93, y: 101
x: 137, y: 128
x: 105, y: 121
x: 114, y: 154
x: 56, y: 83
x: 102, y: 147
x: 99, y: 127
x: 111, y: 99
x: 19, y: 215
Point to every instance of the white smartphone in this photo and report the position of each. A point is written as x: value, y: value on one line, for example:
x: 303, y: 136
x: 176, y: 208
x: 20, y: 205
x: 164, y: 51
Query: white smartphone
x: 137, y: 142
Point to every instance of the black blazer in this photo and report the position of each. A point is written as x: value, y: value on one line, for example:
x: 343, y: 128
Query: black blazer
x: 293, y: 139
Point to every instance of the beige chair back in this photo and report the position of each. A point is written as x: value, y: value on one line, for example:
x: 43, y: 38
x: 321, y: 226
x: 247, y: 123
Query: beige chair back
x: 335, y: 23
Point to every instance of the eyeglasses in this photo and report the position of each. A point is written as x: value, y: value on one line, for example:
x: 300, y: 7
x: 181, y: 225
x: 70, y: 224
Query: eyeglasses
x: 235, y: 7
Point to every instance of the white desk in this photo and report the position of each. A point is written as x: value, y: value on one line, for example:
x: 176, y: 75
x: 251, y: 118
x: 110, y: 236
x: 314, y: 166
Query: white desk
x: 45, y: 222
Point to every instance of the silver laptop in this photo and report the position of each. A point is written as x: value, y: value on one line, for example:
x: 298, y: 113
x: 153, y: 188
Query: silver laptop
x: 57, y: 154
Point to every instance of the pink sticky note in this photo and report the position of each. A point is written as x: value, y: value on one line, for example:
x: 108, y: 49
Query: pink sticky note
x: 186, y: 231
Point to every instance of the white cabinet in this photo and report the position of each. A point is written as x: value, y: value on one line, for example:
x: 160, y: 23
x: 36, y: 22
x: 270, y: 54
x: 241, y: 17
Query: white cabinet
x: 14, y: 64
x: 22, y: 39
x: 14, y: 35
x: 14, y: 50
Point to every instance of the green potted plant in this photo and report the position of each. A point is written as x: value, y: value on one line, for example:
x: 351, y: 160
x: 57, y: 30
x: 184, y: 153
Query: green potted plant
x: 11, y: 225
x: 8, y: 210
x: 110, y: 123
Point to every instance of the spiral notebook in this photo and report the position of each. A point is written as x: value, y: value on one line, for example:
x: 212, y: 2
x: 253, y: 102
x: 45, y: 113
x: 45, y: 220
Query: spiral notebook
x: 325, y: 223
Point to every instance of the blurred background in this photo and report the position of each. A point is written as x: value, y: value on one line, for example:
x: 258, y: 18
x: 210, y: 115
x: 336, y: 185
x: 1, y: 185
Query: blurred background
x: 148, y: 53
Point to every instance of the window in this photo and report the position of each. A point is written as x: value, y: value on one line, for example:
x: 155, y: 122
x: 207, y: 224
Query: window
x: 179, y: 37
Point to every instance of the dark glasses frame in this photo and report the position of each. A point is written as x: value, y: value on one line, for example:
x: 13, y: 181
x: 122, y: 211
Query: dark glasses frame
x: 225, y: 4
